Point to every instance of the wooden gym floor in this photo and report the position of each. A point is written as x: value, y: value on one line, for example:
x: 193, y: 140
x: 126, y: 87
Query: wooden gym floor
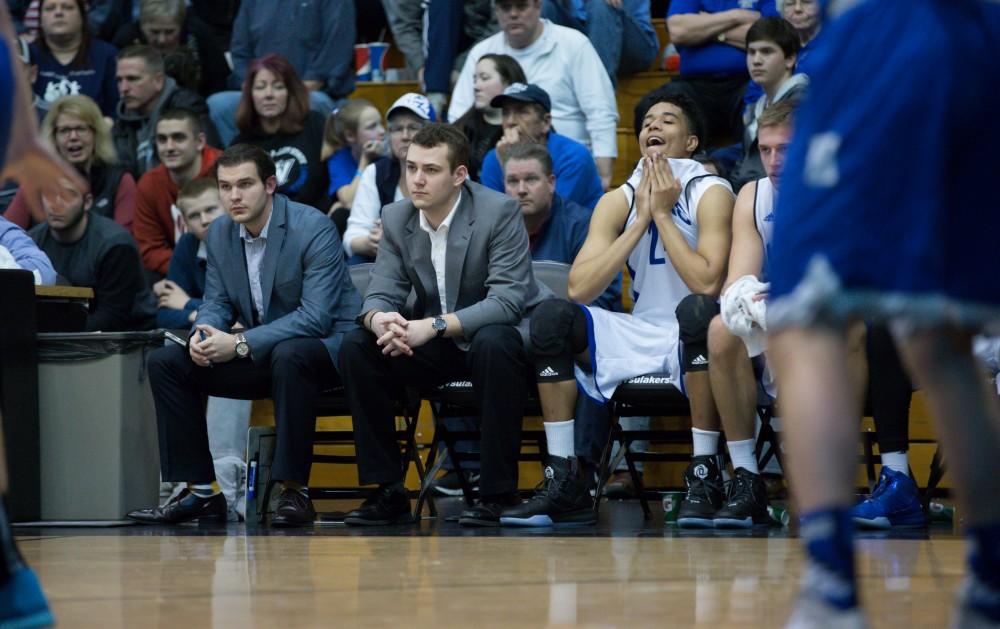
x: 623, y: 572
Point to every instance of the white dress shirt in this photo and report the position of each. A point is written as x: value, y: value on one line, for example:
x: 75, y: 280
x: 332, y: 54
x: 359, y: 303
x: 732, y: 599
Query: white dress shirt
x: 254, y: 250
x: 366, y: 208
x: 439, y: 248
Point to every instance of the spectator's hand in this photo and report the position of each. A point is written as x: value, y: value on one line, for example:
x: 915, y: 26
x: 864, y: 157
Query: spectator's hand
x: 218, y: 346
x: 391, y: 330
x: 745, y: 16
x: 159, y: 288
x: 173, y: 296
x: 196, y: 352
x: 314, y: 86
x: 665, y: 189
x: 373, y: 150
x: 511, y: 136
x: 420, y: 332
x: 614, y: 3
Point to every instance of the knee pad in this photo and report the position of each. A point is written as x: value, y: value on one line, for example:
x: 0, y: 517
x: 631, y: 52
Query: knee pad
x: 558, y: 330
x: 694, y: 314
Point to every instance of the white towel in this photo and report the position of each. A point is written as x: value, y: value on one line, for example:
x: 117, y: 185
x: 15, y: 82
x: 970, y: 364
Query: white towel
x: 743, y: 315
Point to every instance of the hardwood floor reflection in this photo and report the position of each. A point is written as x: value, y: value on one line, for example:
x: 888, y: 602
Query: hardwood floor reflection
x: 236, y: 580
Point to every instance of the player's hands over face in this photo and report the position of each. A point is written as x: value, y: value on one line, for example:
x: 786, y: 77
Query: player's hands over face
x: 391, y: 331
x: 664, y: 189
x: 217, y: 347
x: 642, y: 194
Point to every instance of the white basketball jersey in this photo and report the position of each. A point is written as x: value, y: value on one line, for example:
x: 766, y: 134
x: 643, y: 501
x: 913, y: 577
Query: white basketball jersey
x: 764, y: 200
x: 657, y: 288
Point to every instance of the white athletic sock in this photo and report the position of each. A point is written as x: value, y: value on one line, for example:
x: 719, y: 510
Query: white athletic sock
x: 559, y: 436
x: 741, y: 452
x: 706, y: 442
x: 897, y: 461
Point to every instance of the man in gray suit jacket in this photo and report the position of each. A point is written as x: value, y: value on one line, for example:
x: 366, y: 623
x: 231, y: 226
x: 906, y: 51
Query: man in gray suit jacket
x: 463, y: 250
x: 276, y: 267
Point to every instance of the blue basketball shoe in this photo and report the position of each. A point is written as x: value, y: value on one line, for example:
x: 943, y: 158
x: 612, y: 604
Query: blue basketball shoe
x: 894, y: 502
x: 22, y: 603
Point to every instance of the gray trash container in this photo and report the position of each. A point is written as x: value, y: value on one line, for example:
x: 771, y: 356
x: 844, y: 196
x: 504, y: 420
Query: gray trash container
x: 99, y: 456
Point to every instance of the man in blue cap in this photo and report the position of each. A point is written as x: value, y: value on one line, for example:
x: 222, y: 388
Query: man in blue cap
x: 527, y: 117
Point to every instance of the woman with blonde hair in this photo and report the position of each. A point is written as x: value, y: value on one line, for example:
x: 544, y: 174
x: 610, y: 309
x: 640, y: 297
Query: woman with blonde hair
x: 75, y: 127
x: 355, y: 136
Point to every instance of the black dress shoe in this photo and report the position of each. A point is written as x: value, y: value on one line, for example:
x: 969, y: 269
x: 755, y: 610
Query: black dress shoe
x: 387, y: 505
x: 294, y: 509
x: 185, y: 507
x: 487, y: 512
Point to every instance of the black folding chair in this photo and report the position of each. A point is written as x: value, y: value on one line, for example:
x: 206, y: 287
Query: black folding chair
x: 456, y: 399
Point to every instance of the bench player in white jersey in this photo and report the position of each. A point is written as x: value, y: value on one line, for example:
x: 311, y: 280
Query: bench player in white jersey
x: 671, y: 225
x: 734, y: 383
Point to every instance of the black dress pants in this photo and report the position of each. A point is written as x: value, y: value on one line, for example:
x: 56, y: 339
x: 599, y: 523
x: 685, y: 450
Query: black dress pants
x: 890, y: 391
x: 293, y: 376
x: 496, y: 363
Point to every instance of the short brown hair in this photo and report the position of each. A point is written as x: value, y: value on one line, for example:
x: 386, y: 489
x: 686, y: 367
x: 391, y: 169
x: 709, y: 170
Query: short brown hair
x: 526, y: 151
x: 782, y: 112
x: 183, y: 113
x: 438, y: 133
x: 238, y: 154
x: 152, y: 57
x: 196, y: 188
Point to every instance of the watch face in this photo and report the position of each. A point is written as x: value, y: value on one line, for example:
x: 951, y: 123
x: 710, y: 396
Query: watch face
x: 242, y: 349
x: 439, y: 324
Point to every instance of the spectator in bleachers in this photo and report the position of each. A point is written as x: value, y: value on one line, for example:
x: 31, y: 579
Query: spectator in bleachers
x: 179, y: 297
x: 621, y: 31
x: 315, y: 36
x: 526, y: 117
x: 19, y: 251
x: 381, y: 182
x: 211, y: 24
x: 450, y: 29
x: 406, y: 21
x: 469, y: 327
x: 806, y: 18
x: 274, y: 114
x: 772, y: 49
x: 70, y: 61
x: 30, y: 65
x: 561, y: 61
x: 93, y: 251
x: 162, y: 25
x: 711, y: 38
x: 146, y: 92
x: 275, y: 266
x: 483, y: 124
x: 671, y: 223
x: 557, y: 227
x: 80, y: 135
x: 184, y: 155
x: 357, y: 137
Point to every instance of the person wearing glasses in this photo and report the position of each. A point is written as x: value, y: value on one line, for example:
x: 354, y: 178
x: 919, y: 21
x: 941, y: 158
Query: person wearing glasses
x: 381, y: 183
x: 75, y: 127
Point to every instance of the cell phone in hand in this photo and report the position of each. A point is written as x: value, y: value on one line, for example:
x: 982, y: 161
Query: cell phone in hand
x: 170, y: 336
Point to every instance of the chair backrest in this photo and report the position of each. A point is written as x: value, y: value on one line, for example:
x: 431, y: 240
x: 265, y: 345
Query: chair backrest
x: 553, y: 274
x: 360, y: 273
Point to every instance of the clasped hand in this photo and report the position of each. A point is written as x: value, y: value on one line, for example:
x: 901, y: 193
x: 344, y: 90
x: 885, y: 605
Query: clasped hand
x: 216, y: 347
x: 658, y: 189
x: 398, y: 336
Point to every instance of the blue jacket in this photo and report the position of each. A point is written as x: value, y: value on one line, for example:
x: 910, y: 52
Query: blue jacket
x: 561, y: 238
x: 187, y: 270
x: 26, y: 253
x: 573, y: 165
x: 306, y: 288
x: 316, y: 36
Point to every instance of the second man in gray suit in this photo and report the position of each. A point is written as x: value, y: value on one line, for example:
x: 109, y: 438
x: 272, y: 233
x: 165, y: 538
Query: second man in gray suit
x: 463, y: 250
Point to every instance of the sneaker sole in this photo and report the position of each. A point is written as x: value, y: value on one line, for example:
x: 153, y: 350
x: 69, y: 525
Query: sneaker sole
x: 696, y: 523
x: 733, y: 523
x: 882, y: 523
x: 547, y: 521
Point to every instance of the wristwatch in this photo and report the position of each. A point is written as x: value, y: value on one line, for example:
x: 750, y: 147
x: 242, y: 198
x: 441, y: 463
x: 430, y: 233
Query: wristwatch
x: 439, y: 325
x: 242, y: 347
